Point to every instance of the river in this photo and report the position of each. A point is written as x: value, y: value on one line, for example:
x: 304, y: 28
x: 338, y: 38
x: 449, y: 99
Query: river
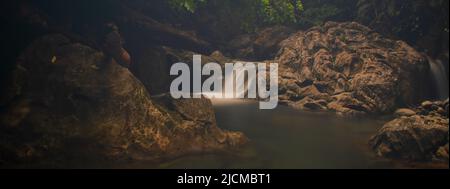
x: 283, y: 138
x: 292, y: 139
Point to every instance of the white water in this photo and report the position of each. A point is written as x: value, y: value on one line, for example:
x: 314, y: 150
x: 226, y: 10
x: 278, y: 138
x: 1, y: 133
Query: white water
x: 231, y: 78
x: 439, y: 77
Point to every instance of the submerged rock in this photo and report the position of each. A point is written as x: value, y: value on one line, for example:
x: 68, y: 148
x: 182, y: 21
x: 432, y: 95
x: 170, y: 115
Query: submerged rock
x: 376, y: 74
x: 421, y: 137
x: 80, y: 103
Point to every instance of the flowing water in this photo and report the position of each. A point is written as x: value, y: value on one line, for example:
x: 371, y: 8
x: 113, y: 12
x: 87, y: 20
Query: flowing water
x: 440, y: 78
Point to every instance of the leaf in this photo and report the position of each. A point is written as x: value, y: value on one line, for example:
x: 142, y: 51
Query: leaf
x: 53, y: 60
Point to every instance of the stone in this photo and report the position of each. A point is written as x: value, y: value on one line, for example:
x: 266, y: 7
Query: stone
x: 404, y: 112
x: 446, y: 110
x: 85, y: 105
x: 416, y: 138
x: 305, y: 83
x: 441, y: 111
x: 266, y: 43
x: 427, y: 105
x: 442, y: 153
x: 345, y: 104
x: 263, y: 45
x: 313, y: 106
x: 380, y: 73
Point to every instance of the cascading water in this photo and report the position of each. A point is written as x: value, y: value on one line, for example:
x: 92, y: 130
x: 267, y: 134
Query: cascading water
x: 231, y: 78
x: 440, y: 79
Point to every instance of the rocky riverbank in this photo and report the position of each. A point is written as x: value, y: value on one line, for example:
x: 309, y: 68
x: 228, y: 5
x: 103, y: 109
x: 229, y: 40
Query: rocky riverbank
x: 98, y: 88
x: 353, y: 71
x: 418, y: 134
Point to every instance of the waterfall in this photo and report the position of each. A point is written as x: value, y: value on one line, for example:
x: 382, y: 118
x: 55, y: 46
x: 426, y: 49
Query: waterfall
x: 240, y: 72
x: 440, y: 79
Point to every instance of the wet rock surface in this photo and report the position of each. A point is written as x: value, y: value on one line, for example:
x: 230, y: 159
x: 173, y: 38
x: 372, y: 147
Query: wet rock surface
x: 70, y: 99
x: 349, y: 69
x: 419, y: 134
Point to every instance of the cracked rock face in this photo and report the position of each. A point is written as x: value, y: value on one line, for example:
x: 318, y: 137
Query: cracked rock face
x: 349, y: 69
x: 73, y: 100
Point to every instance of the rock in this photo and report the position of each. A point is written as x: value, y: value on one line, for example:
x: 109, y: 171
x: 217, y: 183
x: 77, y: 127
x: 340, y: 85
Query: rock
x: 310, y: 91
x: 84, y: 105
x: 418, y: 137
x: 142, y: 30
x: 203, y: 113
x: 305, y: 83
x: 345, y: 104
x: 380, y: 73
x: 148, y: 66
x: 313, y: 106
x: 415, y: 138
x: 441, y: 111
x: 291, y: 96
x: 442, y: 153
x: 404, y: 112
x: 266, y: 43
x: 203, y: 117
x: 241, y: 46
x: 15, y: 114
x: 219, y: 57
x: 112, y: 45
x: 440, y: 108
x: 427, y: 105
x: 308, y: 103
x: 446, y: 109
x: 341, y: 86
x: 292, y: 87
x: 263, y: 45
x: 152, y: 65
x: 324, y: 87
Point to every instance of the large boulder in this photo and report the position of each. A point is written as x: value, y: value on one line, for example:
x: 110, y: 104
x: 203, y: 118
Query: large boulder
x: 416, y: 137
x: 422, y: 136
x: 72, y: 100
x: 349, y: 63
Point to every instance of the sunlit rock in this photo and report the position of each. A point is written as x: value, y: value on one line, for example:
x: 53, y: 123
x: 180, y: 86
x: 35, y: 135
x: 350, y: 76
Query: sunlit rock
x: 349, y: 58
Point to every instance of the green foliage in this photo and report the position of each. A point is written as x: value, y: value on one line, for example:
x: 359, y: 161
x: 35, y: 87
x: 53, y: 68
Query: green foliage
x: 186, y: 5
x: 270, y: 11
x: 281, y: 11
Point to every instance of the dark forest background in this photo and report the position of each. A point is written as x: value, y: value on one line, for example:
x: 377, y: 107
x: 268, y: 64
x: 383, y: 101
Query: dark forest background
x: 214, y: 23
